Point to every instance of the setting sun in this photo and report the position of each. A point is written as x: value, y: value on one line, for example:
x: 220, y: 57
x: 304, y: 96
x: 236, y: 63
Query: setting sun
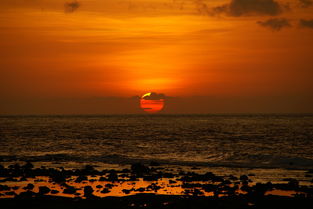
x: 152, y: 102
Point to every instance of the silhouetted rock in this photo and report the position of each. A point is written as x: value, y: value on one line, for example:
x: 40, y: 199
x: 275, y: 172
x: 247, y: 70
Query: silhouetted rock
x: 139, y: 169
x: 69, y: 190
x: 244, y: 178
x: 105, y: 190
x: 23, y: 179
x: 153, y: 163
x: 151, y: 178
x: 54, y: 191
x: 112, y: 176
x: 102, y: 178
x: 126, y: 191
x: 153, y: 187
x: 141, y: 189
x: 58, y: 177
x: 26, y: 195
x: 15, y: 187
x: 172, y: 181
x: 88, y: 190
x: 79, y: 179
x: 44, y: 190
x: 4, y: 188
x: 28, y: 166
x: 110, y: 186
x: 10, y: 193
x: 29, y: 187
x: 233, y: 178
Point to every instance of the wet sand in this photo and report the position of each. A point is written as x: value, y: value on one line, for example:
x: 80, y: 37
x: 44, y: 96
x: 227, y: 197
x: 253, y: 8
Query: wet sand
x: 147, y: 186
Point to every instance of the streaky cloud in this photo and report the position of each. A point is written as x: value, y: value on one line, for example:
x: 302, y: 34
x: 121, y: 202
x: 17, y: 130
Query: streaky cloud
x: 275, y: 24
x: 306, y: 23
x: 237, y: 8
x: 70, y: 7
x: 305, y: 3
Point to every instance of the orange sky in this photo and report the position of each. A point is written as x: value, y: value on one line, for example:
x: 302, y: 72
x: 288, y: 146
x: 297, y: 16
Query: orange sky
x: 58, y: 50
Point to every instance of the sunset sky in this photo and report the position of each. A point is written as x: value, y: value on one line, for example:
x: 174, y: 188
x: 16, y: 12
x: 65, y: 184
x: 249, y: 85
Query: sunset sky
x: 206, y: 56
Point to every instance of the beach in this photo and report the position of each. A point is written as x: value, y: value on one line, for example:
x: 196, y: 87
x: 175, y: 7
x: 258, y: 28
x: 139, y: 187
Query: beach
x: 144, y: 186
x: 160, y: 161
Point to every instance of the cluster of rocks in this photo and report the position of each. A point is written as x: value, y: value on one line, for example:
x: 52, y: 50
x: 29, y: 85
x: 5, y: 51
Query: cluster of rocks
x: 194, y: 184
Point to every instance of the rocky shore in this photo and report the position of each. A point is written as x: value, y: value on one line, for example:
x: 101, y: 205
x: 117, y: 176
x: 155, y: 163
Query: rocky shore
x: 143, y: 186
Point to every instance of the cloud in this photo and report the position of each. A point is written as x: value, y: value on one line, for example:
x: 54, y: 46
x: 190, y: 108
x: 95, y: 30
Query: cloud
x: 237, y: 8
x: 70, y: 7
x: 154, y: 96
x: 306, y: 3
x: 275, y: 24
x: 306, y: 23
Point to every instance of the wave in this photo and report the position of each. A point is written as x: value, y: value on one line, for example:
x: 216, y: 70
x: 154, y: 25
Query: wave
x: 259, y: 161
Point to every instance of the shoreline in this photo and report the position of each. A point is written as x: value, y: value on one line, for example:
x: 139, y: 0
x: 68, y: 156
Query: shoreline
x: 18, y: 180
x: 161, y: 201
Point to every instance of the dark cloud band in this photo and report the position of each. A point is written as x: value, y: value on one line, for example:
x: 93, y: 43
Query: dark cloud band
x: 275, y: 24
x: 70, y: 7
x: 239, y: 8
x: 306, y: 23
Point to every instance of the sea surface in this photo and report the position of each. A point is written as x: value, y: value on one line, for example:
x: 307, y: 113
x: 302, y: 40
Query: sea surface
x: 211, y: 141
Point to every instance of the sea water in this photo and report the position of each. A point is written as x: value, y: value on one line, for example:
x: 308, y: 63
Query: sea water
x: 256, y: 141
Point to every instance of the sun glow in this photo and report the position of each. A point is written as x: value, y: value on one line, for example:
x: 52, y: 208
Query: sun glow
x: 152, y: 102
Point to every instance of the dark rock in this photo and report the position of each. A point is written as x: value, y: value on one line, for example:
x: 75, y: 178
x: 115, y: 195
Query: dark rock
x: 44, y: 190
x: 54, y: 191
x: 244, y: 178
x: 153, y: 163
x: 15, y: 187
x: 126, y: 191
x: 139, y: 169
x: 88, y: 190
x: 246, y: 188
x: 226, y: 182
x: 125, y: 170
x: 102, y: 178
x: 23, y: 179
x: 209, y: 187
x: 26, y: 195
x: 29, y: 187
x: 197, y: 192
x: 28, y: 166
x: 99, y: 186
x: 294, y: 183
x: 10, y: 193
x: 172, y: 181
x: 110, y: 186
x: 233, y: 178
x: 89, y: 168
x: 79, y: 179
x: 105, y: 190
x: 151, y: 178
x: 69, y: 190
x: 113, y: 176
x: 153, y: 187
x: 58, y: 177
x: 141, y: 189
x: 4, y: 188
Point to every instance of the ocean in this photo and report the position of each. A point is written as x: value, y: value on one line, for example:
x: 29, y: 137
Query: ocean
x: 267, y: 143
